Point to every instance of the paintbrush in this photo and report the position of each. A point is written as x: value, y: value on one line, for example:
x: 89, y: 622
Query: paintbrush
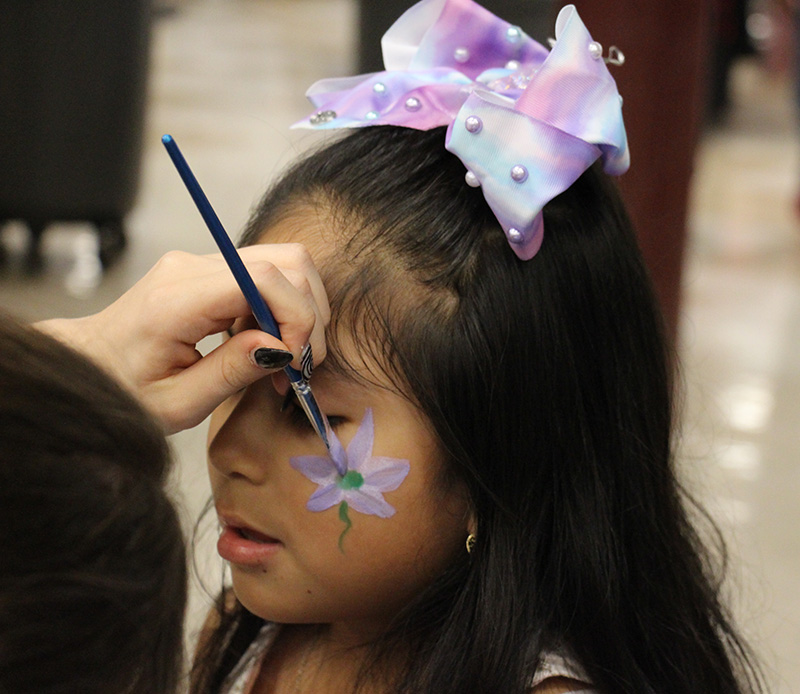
x: 258, y: 306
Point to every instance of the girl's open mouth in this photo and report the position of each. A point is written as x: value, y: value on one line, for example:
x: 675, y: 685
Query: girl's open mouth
x: 253, y: 535
x: 246, y: 547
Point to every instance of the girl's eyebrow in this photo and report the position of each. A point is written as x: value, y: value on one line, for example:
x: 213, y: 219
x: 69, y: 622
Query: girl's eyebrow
x: 341, y: 374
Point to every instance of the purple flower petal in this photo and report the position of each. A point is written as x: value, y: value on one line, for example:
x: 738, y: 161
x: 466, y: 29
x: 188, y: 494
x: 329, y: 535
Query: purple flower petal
x: 359, y: 449
x: 385, y: 474
x: 362, y: 491
x: 369, y: 501
x: 325, y: 497
x: 318, y: 469
x: 337, y: 453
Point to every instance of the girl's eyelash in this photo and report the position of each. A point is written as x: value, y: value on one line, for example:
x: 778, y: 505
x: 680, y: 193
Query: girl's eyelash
x: 298, y: 416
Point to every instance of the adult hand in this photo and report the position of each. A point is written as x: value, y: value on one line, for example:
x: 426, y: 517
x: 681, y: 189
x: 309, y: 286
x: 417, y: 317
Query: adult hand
x: 147, y: 339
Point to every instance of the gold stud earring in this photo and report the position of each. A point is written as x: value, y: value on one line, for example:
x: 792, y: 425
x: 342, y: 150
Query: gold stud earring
x: 471, y: 540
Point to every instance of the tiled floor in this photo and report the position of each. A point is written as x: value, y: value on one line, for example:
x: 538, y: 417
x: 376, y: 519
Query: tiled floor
x: 228, y: 77
x: 741, y: 362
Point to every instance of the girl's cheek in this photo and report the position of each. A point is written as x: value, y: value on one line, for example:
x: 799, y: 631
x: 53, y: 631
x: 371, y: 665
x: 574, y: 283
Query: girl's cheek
x: 351, y: 480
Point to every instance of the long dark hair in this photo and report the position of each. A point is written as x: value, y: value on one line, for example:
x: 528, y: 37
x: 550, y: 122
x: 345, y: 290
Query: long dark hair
x: 548, y: 383
x: 92, y: 558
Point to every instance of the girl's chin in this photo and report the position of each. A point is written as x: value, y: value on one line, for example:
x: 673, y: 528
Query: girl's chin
x: 271, y: 604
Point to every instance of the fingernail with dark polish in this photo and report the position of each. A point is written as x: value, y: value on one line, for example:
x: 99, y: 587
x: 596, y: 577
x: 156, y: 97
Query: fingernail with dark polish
x: 269, y: 358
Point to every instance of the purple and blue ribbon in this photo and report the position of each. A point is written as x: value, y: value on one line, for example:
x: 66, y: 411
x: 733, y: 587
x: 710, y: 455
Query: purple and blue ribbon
x: 525, y: 121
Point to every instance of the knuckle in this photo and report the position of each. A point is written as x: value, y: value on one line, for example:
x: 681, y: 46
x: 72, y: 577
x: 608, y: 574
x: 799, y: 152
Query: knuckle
x: 230, y: 374
x: 306, y: 315
x: 299, y: 255
x: 301, y: 329
x: 265, y: 270
x: 172, y: 259
x: 300, y: 281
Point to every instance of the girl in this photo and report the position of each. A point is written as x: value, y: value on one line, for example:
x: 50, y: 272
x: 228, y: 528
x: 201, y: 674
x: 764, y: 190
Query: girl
x: 499, y: 510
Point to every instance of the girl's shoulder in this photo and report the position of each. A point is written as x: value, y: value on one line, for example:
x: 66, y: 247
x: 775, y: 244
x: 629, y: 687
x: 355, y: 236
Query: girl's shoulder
x: 560, y: 674
x: 562, y: 685
x: 557, y: 674
x: 243, y: 676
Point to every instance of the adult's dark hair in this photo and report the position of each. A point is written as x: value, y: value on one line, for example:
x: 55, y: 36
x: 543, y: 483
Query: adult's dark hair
x: 548, y: 383
x: 92, y: 558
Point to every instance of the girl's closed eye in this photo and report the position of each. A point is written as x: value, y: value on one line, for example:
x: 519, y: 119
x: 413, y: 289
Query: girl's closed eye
x: 298, y: 417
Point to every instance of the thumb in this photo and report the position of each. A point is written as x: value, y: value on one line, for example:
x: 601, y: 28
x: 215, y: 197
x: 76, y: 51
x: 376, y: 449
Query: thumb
x: 235, y: 364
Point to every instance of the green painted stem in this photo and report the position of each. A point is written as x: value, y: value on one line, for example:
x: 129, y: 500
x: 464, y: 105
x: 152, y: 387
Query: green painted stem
x: 345, y: 518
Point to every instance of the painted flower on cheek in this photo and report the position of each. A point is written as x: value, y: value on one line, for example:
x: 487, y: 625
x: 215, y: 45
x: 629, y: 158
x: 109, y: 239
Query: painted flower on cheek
x: 352, y: 478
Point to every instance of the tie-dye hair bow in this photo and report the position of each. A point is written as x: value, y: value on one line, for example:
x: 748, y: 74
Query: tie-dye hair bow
x: 525, y: 121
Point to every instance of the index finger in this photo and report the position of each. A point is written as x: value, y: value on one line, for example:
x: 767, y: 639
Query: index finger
x: 292, y: 256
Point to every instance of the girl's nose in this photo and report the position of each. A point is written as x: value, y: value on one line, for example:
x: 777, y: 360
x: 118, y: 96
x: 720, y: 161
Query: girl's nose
x: 241, y: 434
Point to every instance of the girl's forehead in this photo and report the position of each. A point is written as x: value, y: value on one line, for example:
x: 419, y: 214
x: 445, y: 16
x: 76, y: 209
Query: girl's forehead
x: 348, y: 364
x: 355, y: 351
x: 303, y: 224
x: 347, y: 358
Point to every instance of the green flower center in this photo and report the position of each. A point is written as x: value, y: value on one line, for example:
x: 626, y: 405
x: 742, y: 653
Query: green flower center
x: 351, y: 480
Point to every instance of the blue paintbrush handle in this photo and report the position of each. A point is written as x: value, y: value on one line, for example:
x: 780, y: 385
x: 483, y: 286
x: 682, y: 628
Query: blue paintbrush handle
x: 258, y: 306
x: 261, y: 311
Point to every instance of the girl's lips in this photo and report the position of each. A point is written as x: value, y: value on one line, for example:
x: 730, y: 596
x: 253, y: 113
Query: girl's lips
x: 245, y: 546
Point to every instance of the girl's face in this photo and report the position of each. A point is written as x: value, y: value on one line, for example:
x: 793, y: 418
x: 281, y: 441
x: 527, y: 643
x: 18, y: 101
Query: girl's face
x: 293, y: 565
